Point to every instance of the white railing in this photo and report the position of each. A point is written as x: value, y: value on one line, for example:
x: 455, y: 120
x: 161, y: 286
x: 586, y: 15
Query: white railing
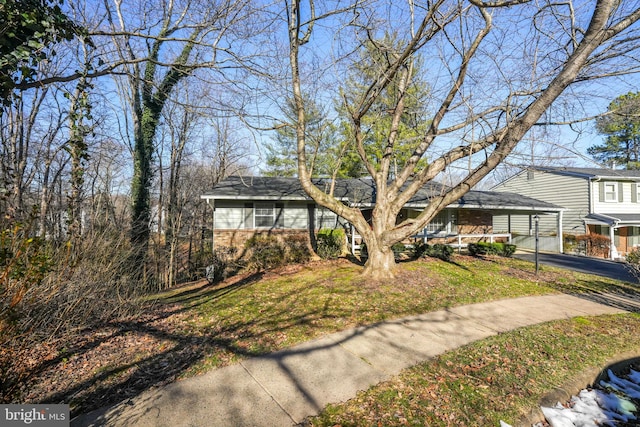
x: 461, y: 244
x: 426, y: 236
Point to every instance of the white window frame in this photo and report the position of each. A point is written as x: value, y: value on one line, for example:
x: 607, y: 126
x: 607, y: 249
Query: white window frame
x: 607, y: 192
x: 264, y: 206
x: 442, y: 223
x: 637, y: 192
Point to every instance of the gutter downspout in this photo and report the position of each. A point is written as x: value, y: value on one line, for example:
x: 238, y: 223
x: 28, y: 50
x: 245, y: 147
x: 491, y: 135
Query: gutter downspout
x: 213, y: 224
x: 591, y: 192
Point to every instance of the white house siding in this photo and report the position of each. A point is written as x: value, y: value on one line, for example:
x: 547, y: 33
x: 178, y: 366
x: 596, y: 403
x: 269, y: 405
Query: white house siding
x: 228, y: 215
x: 627, y: 203
x: 296, y: 215
x: 571, y: 193
x: 326, y: 219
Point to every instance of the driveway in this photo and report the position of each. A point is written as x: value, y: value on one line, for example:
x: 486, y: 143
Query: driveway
x: 601, y: 267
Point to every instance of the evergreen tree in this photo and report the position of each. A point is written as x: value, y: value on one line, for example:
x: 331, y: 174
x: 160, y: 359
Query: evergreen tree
x: 281, y: 158
x: 373, y: 61
x: 621, y: 126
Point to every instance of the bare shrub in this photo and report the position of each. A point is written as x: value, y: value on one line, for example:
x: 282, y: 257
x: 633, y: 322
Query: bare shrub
x: 81, y: 288
x: 264, y: 252
x: 99, y: 286
x: 595, y: 244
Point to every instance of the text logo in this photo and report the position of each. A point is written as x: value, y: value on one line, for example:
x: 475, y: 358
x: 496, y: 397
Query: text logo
x: 34, y: 415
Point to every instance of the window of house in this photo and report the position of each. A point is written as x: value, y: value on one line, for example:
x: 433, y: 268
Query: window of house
x: 264, y: 215
x: 636, y: 188
x: 633, y: 237
x: 439, y: 224
x: 610, y: 192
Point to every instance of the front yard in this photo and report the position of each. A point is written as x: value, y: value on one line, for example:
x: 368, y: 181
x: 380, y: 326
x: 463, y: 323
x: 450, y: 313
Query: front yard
x: 198, y: 327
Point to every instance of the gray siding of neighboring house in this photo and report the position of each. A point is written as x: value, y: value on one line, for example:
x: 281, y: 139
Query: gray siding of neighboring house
x: 571, y: 193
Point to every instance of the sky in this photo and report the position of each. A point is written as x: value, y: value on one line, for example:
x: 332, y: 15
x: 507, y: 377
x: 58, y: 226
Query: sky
x: 505, y: 60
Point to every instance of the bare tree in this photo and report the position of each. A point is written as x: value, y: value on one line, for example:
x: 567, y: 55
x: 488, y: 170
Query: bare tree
x: 164, y: 45
x: 192, y: 171
x: 494, y: 68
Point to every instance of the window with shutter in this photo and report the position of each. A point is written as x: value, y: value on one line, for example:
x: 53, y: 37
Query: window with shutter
x: 610, y: 192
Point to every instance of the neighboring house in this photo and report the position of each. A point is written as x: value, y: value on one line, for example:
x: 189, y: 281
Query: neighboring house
x: 597, y: 201
x: 246, y: 206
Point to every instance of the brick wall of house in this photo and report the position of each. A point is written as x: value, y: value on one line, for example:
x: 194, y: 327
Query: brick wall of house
x: 474, y: 222
x: 237, y: 238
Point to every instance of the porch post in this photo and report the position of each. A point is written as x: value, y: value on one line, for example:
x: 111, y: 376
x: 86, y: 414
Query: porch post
x: 612, y: 244
x: 353, y: 240
x: 560, y: 232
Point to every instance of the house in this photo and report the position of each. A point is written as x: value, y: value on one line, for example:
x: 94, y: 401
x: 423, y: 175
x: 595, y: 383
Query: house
x: 598, y: 201
x: 246, y: 206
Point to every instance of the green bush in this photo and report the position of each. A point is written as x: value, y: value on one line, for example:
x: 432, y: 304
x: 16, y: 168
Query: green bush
x: 330, y: 243
x: 25, y: 261
x: 265, y: 252
x: 398, y: 249
x: 570, y: 242
x: 486, y: 248
x: 633, y: 262
x: 439, y: 250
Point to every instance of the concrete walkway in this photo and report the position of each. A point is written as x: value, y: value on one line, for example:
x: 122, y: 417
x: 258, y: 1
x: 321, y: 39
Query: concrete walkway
x: 283, y: 388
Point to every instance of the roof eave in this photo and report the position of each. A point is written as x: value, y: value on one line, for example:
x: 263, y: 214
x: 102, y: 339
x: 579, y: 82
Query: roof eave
x: 265, y: 198
x: 614, y: 178
x: 508, y: 207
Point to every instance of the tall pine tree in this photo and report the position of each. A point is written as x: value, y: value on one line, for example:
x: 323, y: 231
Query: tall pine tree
x: 373, y: 61
x: 281, y: 154
x: 621, y: 126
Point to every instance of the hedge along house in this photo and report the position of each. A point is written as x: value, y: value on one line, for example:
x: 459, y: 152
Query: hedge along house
x: 247, y: 206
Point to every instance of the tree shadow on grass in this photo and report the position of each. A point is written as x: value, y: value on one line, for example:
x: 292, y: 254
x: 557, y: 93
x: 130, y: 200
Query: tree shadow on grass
x: 168, y: 352
x: 195, y: 296
x: 620, y: 295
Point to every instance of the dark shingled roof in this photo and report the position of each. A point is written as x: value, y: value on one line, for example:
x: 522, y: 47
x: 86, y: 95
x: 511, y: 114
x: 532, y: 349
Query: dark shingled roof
x: 361, y: 191
x: 591, y: 172
x: 487, y: 199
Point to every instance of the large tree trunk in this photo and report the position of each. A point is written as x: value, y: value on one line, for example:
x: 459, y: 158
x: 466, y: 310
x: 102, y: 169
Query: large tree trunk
x: 381, y: 263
